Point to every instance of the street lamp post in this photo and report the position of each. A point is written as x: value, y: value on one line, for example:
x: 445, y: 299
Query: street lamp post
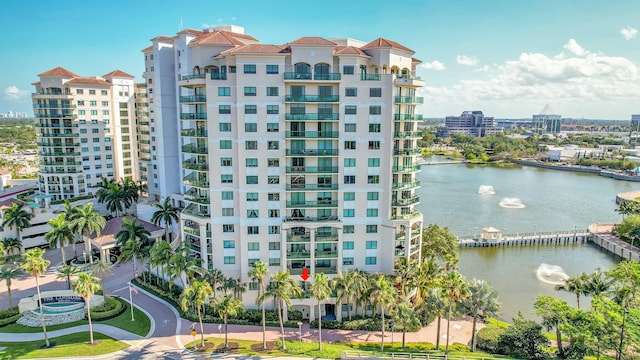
x: 299, y: 331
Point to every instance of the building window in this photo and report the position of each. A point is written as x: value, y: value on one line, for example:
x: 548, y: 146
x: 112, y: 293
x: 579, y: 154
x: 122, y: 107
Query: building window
x: 374, y: 128
x: 372, y: 229
x: 225, y: 144
x: 347, y: 261
x: 105, y: 103
x: 372, y: 212
x: 375, y: 92
x: 80, y: 91
x: 350, y: 145
x: 374, y: 145
x: 224, y: 91
x: 272, y: 69
x: 92, y: 92
x: 227, y: 195
x: 249, y: 68
x: 229, y: 260
x: 350, y: 92
x: 227, y: 211
x: 348, y: 212
x: 226, y: 162
x: 230, y: 244
x: 252, y: 180
x: 224, y: 127
x: 226, y: 179
x: 251, y: 162
x: 273, y: 197
x: 249, y: 91
x: 274, y: 246
x: 349, y: 196
x: 228, y: 228
x: 272, y: 91
x: 373, y: 162
x: 349, y: 162
x: 253, y: 246
x: 273, y: 127
x: 253, y: 285
x: 273, y: 145
x: 273, y: 162
x: 373, y: 179
x: 250, y: 109
x: 273, y: 109
x: 375, y: 109
x: 232, y: 69
x: 273, y: 179
x: 348, y: 229
x: 274, y: 261
x: 372, y: 195
x: 252, y: 196
x: 93, y: 103
x: 274, y: 213
x: 349, y: 127
x: 350, y: 109
x: 347, y: 245
x: 274, y: 229
x: 103, y: 92
x: 224, y: 109
x: 253, y: 230
x: 251, y: 145
x: 252, y: 213
x: 251, y: 127
x: 348, y: 69
x: 370, y: 260
x: 349, y: 179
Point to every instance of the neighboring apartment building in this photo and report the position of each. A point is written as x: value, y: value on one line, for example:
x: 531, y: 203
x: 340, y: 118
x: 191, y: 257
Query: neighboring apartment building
x: 85, y: 131
x: 547, y: 122
x: 300, y: 155
x: 472, y: 123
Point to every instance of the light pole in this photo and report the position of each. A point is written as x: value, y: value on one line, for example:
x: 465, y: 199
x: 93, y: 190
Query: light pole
x: 299, y: 331
x: 534, y: 229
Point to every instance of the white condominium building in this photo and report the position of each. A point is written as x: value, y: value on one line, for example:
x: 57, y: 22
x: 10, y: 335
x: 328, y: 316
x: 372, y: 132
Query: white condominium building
x: 85, y: 131
x: 300, y: 155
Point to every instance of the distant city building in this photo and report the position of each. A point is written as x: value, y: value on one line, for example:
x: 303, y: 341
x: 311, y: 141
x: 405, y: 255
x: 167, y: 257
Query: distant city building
x: 14, y: 115
x: 85, y: 131
x: 547, y: 122
x: 472, y: 123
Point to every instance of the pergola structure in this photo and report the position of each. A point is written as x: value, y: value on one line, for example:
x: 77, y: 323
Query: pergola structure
x: 107, y: 239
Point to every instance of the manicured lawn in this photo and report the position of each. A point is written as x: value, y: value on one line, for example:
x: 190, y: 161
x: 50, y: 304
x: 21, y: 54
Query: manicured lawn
x: 140, y: 326
x: 66, y: 346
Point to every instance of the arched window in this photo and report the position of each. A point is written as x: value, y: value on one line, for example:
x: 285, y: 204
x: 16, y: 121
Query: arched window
x: 302, y: 71
x: 196, y: 70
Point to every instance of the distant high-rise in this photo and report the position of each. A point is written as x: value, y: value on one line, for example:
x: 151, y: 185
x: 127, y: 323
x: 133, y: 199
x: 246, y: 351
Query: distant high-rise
x: 472, y: 123
x: 547, y: 121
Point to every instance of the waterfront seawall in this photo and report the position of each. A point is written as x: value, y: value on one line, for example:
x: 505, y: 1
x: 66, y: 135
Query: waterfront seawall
x: 583, y: 169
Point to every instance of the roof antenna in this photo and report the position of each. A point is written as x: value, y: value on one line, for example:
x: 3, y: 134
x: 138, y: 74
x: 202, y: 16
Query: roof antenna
x: 180, y: 26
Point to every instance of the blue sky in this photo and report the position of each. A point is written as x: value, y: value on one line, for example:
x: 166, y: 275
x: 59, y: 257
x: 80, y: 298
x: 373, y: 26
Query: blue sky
x: 506, y: 58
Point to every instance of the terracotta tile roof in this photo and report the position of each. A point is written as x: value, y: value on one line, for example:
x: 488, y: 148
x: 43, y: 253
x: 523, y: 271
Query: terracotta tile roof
x: 416, y: 61
x: 216, y: 38
x: 351, y: 50
x: 118, y: 73
x: 161, y: 37
x: 191, y: 31
x: 258, y: 49
x: 36, y: 83
x: 59, y: 71
x: 9, y: 203
x: 113, y: 226
x: 89, y: 81
x: 312, y: 40
x: 147, y: 49
x: 4, y: 172
x: 382, y: 43
x: 241, y: 36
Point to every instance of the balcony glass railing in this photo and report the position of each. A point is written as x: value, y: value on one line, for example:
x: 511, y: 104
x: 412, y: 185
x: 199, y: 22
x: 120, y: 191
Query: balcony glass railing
x: 145, y: 151
x: 416, y: 151
x: 312, y: 204
x: 218, y: 76
x: 299, y: 255
x: 313, y: 134
x: 311, y: 218
x: 404, y: 134
x: 45, y: 125
x: 193, y: 116
x: 407, y: 117
x: 193, y: 149
x: 409, y: 77
x: 311, y: 116
x: 312, y: 98
x: 326, y: 254
x: 59, y: 135
x: 298, y: 238
x: 411, y: 185
x: 364, y: 76
x: 297, y: 76
x: 198, y: 213
x: 192, y: 231
x: 406, y: 202
x: 196, y: 76
x: 192, y: 165
x: 326, y: 237
x: 198, y: 199
x: 409, y: 168
x: 311, y: 187
x: 327, y: 270
x: 194, y: 132
x: 409, y: 100
x: 193, y: 98
x: 196, y: 183
x: 313, y: 152
x: 312, y: 169
x: 406, y: 216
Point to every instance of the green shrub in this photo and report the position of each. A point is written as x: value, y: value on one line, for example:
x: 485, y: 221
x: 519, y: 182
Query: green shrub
x: 10, y: 312
x: 326, y: 324
x: 112, y: 309
x: 9, y: 320
x: 109, y: 304
x: 458, y: 347
x: 487, y: 338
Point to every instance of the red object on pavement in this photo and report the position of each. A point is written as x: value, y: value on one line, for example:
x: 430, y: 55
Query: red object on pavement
x: 305, y: 274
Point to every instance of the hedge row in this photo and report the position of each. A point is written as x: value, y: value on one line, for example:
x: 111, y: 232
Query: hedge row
x: 9, y: 320
x: 10, y: 312
x: 111, y: 308
x: 77, y: 198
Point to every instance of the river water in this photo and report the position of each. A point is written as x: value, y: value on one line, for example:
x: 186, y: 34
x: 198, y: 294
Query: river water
x: 553, y: 200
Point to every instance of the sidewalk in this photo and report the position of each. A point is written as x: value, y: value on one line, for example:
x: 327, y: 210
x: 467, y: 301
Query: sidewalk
x: 112, y: 331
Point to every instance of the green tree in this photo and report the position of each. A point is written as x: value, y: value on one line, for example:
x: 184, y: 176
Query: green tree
x: 86, y: 285
x: 102, y: 269
x: 87, y: 221
x: 134, y: 241
x: 60, y: 234
x: 626, y: 289
x: 439, y: 244
x: 166, y: 214
x: 426, y: 279
x: 434, y: 302
x: 382, y: 294
x: 257, y: 273
x: 576, y: 285
x: 180, y: 264
x: 160, y: 257
x: 8, y: 273
x: 456, y: 290
x: 66, y: 272
x: 524, y: 340
x: 216, y: 276
x: 197, y: 295
x: 36, y: 265
x: 481, y: 302
x: 345, y: 286
x: 554, y: 312
x: 227, y: 306
x: 598, y: 283
x: 282, y: 288
x: 11, y: 245
x: 18, y: 218
x: 321, y: 291
x: 406, y: 316
x: 405, y: 276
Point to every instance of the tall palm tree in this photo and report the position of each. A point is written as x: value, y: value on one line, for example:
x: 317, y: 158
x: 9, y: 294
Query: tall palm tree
x: 321, y: 291
x: 405, y: 315
x: 426, y: 279
x: 345, y: 286
x: 383, y: 293
x: 576, y: 285
x: 36, y: 265
x: 134, y: 241
x: 11, y: 245
x: 116, y: 198
x: 131, y: 190
x: 215, y: 276
x: 66, y: 272
x: 60, y: 234
x: 8, y: 273
x: 86, y: 285
x: 18, y: 218
x: 160, y: 255
x: 103, y: 186
x: 434, y: 302
x: 226, y: 306
x: 257, y: 273
x: 167, y: 214
x: 405, y: 274
x: 554, y: 312
x: 87, y: 221
x: 282, y: 288
x: 456, y: 290
x: 102, y: 269
x: 598, y: 283
x: 197, y: 295
x: 482, y: 301
x: 180, y: 263
x: 239, y: 288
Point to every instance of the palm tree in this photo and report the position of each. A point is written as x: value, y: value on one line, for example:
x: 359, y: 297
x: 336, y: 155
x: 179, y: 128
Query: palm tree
x: 433, y: 302
x: 456, y: 290
x: 66, y: 272
x: 130, y: 190
x: 598, y: 283
x: 216, y: 276
x: 167, y: 214
x: 11, y: 244
x: 101, y: 194
x: 321, y: 291
x: 134, y: 241
x: 554, y: 312
x: 282, y: 288
x: 482, y: 301
x: 87, y: 221
x: 36, y: 265
x: 102, y: 269
x: 226, y: 306
x: 86, y: 285
x: 18, y: 218
x: 345, y: 286
x: 406, y: 315
x: 60, y: 234
x: 426, y: 279
x: 8, y: 273
x: 180, y: 263
x: 197, y: 295
x: 238, y: 288
x: 382, y: 293
x: 257, y: 273
x: 576, y: 285
x: 405, y: 276
x: 160, y: 255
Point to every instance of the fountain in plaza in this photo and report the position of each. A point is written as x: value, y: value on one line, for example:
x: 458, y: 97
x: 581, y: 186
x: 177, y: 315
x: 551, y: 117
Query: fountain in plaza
x: 511, y: 203
x: 551, y: 274
x: 486, y: 190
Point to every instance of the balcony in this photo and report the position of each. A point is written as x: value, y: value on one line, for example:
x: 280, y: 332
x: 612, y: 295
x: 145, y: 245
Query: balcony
x: 51, y: 106
x: 52, y: 95
x: 196, y: 76
x: 299, y: 255
x: 311, y: 116
x: 406, y: 202
x: 308, y: 76
x: 143, y: 123
x: 193, y: 98
x: 331, y: 270
x: 66, y: 125
x: 312, y: 170
x: 145, y: 142
x: 407, y: 117
x: 192, y: 165
x: 409, y: 168
x: 59, y: 135
x: 310, y: 218
x: 58, y: 144
x: 313, y: 134
x: 409, y: 216
x: 312, y: 152
x: 193, y: 149
x: 194, y: 132
x: 195, y: 182
x: 144, y: 132
x: 145, y: 151
x: 59, y: 153
x: 408, y: 80
x: 194, y: 211
x: 409, y: 100
x: 312, y: 204
x: 368, y: 77
x: 298, y: 238
x: 192, y: 230
x: 406, y: 134
x: 61, y: 163
x: 297, y: 76
x: 198, y: 199
x: 416, y: 151
x: 326, y: 237
x: 312, y: 98
x: 218, y: 76
x: 312, y: 187
x: 326, y: 254
x: 402, y: 186
x: 193, y: 116
x: 55, y: 114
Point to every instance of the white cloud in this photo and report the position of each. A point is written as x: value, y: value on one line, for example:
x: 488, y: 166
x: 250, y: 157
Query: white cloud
x: 575, y: 48
x: 467, y: 60
x: 628, y: 32
x: 435, y: 65
x: 13, y: 93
